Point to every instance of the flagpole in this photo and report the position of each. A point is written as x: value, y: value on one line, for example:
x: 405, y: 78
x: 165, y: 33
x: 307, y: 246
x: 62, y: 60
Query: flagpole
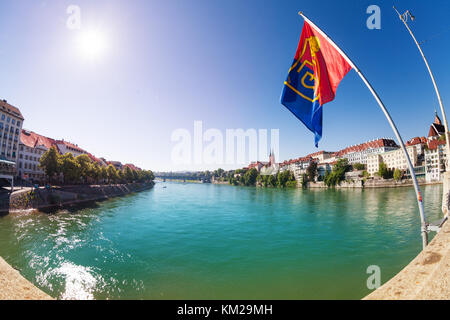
x: 392, y: 124
x: 447, y: 134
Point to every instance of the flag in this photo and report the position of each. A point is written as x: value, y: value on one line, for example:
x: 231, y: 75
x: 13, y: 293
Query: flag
x: 316, y: 72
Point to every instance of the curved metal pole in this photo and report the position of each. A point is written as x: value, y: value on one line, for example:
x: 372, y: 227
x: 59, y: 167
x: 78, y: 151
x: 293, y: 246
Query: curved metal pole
x: 432, y: 79
x: 393, y: 126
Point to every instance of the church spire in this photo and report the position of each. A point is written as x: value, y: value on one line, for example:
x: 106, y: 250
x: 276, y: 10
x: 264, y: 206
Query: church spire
x: 436, y: 118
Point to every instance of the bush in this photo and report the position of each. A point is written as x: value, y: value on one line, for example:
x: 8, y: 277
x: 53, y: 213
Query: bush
x: 291, y: 184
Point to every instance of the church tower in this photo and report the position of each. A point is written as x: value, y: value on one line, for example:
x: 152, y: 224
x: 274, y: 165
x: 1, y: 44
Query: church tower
x: 271, y: 158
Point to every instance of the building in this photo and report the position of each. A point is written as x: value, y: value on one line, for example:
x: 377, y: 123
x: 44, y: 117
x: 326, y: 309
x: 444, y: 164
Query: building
x: 394, y: 159
x: 435, y: 160
x: 359, y: 153
x: 11, y: 121
x: 32, y: 146
x: 270, y: 168
x: 420, y: 144
x: 257, y: 165
x: 68, y: 147
x: 323, y: 156
x: 116, y: 164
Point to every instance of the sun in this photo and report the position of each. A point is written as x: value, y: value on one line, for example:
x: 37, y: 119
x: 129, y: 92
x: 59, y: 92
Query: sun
x: 92, y: 44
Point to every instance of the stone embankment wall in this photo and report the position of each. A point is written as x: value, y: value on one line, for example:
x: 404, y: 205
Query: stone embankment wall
x: 427, y: 277
x: 60, y: 196
x: 371, y: 183
x: 15, y: 287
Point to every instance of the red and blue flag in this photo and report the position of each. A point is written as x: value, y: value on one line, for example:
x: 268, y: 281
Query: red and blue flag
x: 313, y: 78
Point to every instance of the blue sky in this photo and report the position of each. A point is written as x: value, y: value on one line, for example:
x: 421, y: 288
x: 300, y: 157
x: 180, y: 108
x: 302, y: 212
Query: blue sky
x: 169, y: 63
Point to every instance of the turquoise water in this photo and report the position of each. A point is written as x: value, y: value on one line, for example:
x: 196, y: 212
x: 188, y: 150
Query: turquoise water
x: 201, y: 241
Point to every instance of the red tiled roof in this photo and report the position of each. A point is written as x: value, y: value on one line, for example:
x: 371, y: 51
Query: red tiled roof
x: 70, y: 145
x: 6, y: 107
x: 32, y: 139
x: 433, y: 144
x: 436, y: 130
x: 416, y: 140
x: 368, y: 145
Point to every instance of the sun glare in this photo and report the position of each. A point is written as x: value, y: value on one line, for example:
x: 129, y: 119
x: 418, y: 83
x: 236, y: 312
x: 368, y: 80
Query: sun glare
x: 92, y: 44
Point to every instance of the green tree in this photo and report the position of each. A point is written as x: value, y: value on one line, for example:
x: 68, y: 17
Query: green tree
x: 128, y: 174
x: 337, y: 174
x: 398, y: 174
x: 103, y: 174
x: 283, y: 178
x: 384, y: 172
x: 70, y: 168
x: 94, y: 172
x: 271, y: 181
x: 112, y: 174
x: 358, y: 166
x: 84, y: 163
x: 311, y: 171
x: 250, y: 177
x: 50, y: 163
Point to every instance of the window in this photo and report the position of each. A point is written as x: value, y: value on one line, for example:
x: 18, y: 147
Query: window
x: 13, y: 121
x: 8, y: 119
x: 3, y: 117
x: 18, y: 123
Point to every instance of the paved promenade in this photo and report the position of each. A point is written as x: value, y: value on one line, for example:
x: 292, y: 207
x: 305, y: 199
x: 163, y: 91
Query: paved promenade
x: 426, y: 277
x: 15, y: 287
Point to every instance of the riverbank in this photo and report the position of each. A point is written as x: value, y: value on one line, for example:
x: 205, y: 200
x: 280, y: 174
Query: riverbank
x: 15, y: 287
x: 427, y: 277
x: 58, y: 197
x: 359, y: 184
x: 372, y: 183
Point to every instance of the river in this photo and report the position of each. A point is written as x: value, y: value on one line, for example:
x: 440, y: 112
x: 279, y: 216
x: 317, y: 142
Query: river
x: 203, y: 241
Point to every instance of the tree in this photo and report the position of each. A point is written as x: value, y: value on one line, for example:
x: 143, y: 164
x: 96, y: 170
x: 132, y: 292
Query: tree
x: 128, y: 174
x: 250, y: 177
x: 94, y: 172
x: 311, y: 171
x: 271, y: 181
x: 337, y: 174
x: 70, y: 168
x: 49, y: 162
x: 384, y: 172
x: 398, y: 175
x: 283, y: 178
x: 103, y: 174
x: 84, y: 163
x: 358, y: 166
x: 112, y: 174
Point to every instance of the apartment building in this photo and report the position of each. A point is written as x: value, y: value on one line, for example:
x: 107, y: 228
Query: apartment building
x: 435, y: 160
x: 11, y: 121
x: 359, y: 153
x: 32, y: 146
x: 394, y: 159
x: 68, y: 147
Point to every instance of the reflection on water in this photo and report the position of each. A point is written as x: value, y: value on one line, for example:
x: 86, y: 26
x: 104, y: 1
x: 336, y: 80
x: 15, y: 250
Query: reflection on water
x: 191, y: 241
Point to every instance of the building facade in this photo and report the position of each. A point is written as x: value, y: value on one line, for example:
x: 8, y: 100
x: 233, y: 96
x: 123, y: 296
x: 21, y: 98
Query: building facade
x: 394, y: 159
x: 359, y: 153
x: 11, y: 121
x: 31, y: 148
x: 68, y: 147
x: 435, y: 160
